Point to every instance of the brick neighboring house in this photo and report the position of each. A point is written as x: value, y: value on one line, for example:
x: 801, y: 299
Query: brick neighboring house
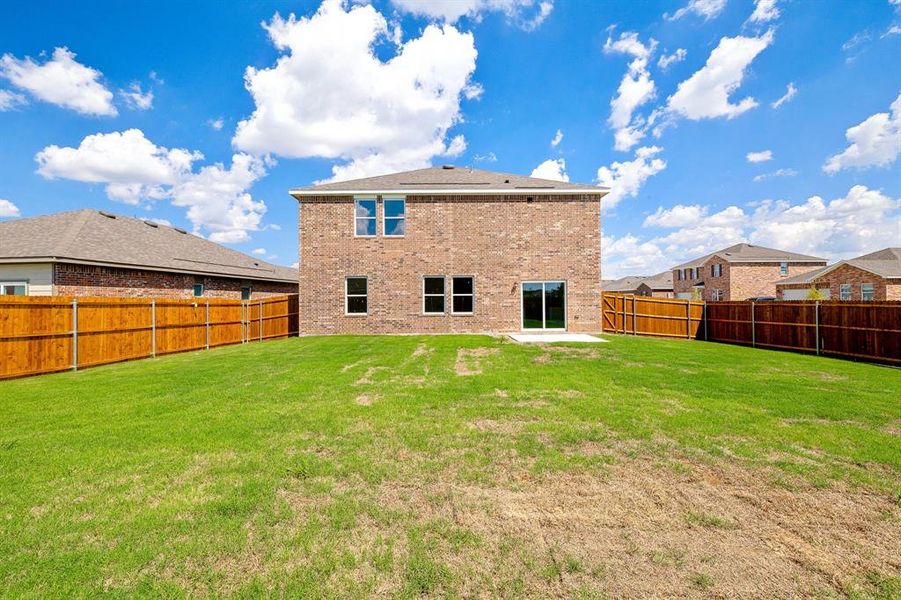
x: 93, y: 253
x: 655, y: 286
x: 740, y: 272
x: 449, y: 249
x: 874, y: 276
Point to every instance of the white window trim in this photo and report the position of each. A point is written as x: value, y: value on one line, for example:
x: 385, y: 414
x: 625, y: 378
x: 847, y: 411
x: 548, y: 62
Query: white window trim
x: 454, y: 295
x: 347, y: 296
x: 5, y: 284
x: 386, y: 218
x: 375, y: 217
x: 850, y: 291
x: 872, y: 288
x: 443, y: 295
x: 522, y: 305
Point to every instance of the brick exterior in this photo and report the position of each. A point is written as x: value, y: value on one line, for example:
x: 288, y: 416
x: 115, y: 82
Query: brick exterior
x: 740, y: 281
x: 90, y: 280
x: 499, y: 240
x: 645, y: 290
x: 884, y: 289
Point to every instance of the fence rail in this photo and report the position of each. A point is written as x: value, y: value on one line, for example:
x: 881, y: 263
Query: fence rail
x: 858, y: 330
x: 58, y: 333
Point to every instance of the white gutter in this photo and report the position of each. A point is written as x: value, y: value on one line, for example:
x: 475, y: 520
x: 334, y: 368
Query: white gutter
x: 451, y: 192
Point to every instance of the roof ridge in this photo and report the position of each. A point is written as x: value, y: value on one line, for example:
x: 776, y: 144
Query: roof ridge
x: 74, y: 229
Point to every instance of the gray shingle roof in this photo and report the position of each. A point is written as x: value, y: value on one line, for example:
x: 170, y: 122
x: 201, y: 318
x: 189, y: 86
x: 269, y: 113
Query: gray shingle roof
x: 89, y: 236
x: 748, y: 253
x: 884, y: 263
x: 462, y: 179
x: 660, y: 281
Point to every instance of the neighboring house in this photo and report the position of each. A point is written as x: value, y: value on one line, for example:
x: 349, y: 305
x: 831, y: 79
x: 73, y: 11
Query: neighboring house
x: 449, y: 249
x: 93, y: 253
x: 739, y: 272
x: 875, y: 276
x: 657, y: 286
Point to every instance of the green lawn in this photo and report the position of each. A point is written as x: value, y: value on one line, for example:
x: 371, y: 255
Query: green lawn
x: 454, y: 466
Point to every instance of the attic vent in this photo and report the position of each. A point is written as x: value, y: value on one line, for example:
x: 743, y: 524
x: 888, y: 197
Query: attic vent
x: 107, y: 215
x: 179, y: 230
x: 447, y: 167
x: 506, y: 181
x: 151, y: 224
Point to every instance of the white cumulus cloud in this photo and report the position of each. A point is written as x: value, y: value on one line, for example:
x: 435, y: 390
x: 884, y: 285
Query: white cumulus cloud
x: 330, y: 95
x: 10, y: 100
x: 258, y: 251
x: 790, y: 92
x: 876, y: 142
x: 554, y: 169
x: 527, y: 14
x: 707, y: 9
x: 135, y: 170
x: 670, y: 59
x: 706, y: 94
x: 626, y: 178
x: 635, y: 89
x: 558, y: 137
x: 762, y: 156
x: 61, y: 81
x: 764, y: 11
x: 8, y: 209
x: 136, y: 98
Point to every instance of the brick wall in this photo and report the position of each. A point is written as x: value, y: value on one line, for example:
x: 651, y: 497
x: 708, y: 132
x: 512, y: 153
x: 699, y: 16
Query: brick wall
x: 499, y: 240
x: 89, y: 280
x: 849, y: 274
x: 740, y: 281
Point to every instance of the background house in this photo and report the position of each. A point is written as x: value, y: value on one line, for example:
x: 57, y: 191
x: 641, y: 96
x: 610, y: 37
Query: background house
x: 874, y: 276
x: 657, y: 286
x: 739, y: 272
x: 449, y: 249
x: 93, y: 253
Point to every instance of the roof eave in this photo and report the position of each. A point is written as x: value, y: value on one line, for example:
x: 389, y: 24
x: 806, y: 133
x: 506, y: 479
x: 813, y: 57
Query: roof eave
x: 300, y: 192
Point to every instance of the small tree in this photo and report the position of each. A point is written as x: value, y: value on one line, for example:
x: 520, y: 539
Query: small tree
x: 814, y: 294
x: 696, y: 294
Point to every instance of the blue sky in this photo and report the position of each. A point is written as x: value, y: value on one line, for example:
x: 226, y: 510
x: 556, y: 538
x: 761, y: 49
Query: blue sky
x: 204, y: 117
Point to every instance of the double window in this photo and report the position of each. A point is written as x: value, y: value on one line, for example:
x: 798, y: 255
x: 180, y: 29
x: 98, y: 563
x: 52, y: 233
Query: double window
x: 867, y: 291
x: 394, y: 217
x: 433, y: 295
x: 356, y: 296
x: 844, y: 291
x: 13, y: 288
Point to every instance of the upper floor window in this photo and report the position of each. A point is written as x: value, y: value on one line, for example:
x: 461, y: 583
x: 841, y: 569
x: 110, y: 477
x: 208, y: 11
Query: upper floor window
x: 356, y: 296
x: 395, y: 217
x: 783, y: 268
x: 463, y: 295
x: 433, y: 295
x: 844, y: 291
x: 13, y: 288
x: 716, y: 270
x: 679, y: 274
x: 198, y: 289
x: 867, y: 291
x: 365, y: 217
x: 246, y: 292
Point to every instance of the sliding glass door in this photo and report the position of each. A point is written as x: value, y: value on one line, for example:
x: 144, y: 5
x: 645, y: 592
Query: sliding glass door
x: 544, y: 305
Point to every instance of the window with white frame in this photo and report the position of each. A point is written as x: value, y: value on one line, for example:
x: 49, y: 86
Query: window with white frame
x: 394, y: 217
x: 783, y: 268
x: 716, y: 270
x: 13, y: 288
x: 867, y: 291
x: 365, y: 217
x: 356, y: 295
x: 462, y: 296
x: 433, y: 295
x: 694, y: 273
x: 844, y: 291
x: 718, y: 295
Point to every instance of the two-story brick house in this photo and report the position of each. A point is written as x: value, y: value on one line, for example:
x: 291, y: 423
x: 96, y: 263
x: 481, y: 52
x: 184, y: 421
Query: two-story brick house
x: 874, y: 276
x: 739, y: 272
x: 449, y: 249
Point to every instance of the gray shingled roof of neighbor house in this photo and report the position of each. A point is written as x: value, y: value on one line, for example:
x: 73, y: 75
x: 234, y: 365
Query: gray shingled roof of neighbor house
x: 660, y: 281
x: 450, y: 180
x: 95, y: 237
x: 884, y: 263
x: 748, y: 253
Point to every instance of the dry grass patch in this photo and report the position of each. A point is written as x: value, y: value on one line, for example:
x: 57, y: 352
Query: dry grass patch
x: 469, y: 360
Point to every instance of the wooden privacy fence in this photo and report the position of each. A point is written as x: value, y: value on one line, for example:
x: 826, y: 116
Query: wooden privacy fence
x: 58, y: 333
x: 860, y: 330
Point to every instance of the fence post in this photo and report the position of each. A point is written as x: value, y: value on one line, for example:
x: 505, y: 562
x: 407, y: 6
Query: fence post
x: 261, y: 320
x: 753, y: 329
x: 704, y: 314
x: 75, y: 334
x: 153, y: 328
x: 207, y: 324
x: 634, y: 320
x: 688, y: 319
x: 816, y: 310
x: 624, y: 314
